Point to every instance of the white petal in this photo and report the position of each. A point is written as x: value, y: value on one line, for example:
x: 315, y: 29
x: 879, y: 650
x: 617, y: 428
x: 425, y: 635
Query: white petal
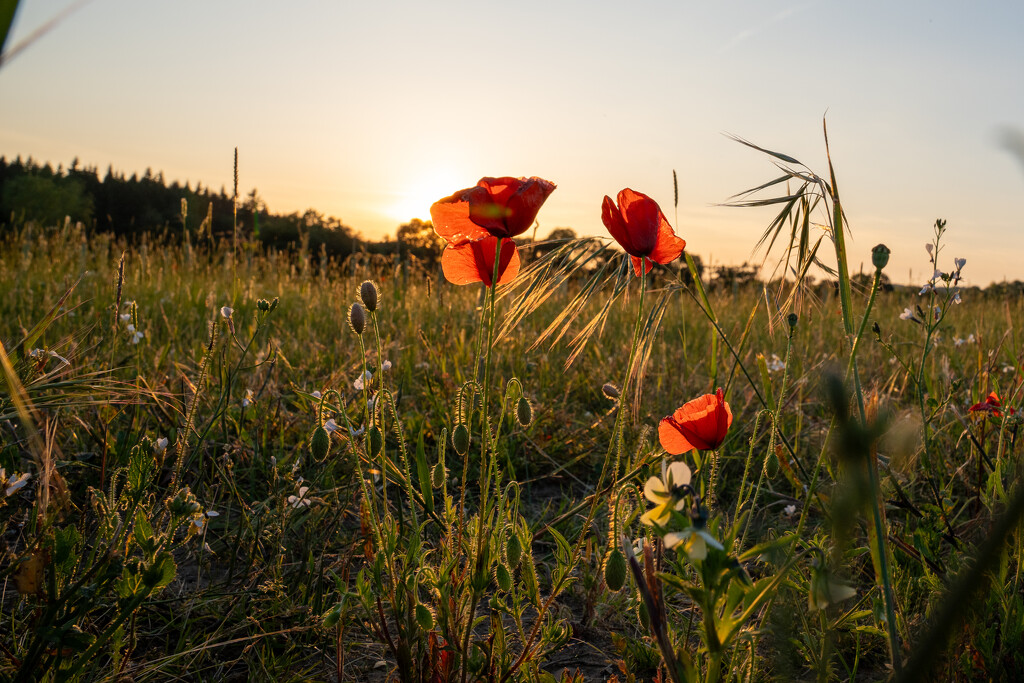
x: 679, y: 474
x: 654, y: 490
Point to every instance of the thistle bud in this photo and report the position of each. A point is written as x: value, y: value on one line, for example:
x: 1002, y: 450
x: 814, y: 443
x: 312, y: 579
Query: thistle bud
x: 320, y: 443
x: 368, y: 293
x: 460, y: 439
x: 524, y: 411
x: 880, y: 256
x: 357, y: 318
x: 615, y: 570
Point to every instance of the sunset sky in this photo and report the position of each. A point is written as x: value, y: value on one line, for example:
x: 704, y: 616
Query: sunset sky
x: 369, y: 111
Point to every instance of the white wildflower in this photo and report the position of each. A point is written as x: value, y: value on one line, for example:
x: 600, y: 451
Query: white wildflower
x: 331, y: 426
x: 14, y: 482
x: 908, y: 314
x: 695, y: 541
x: 160, y: 446
x: 247, y: 401
x: 385, y: 366
x: 789, y: 511
x: 775, y: 363
x: 362, y: 380
x: 300, y: 500
x: 125, y: 317
x: 317, y: 395
x: 226, y: 311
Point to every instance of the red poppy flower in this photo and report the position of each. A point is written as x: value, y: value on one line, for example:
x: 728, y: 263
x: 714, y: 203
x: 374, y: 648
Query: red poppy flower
x: 701, y: 423
x: 474, y: 262
x: 499, y: 207
x: 991, y: 405
x: 639, y: 226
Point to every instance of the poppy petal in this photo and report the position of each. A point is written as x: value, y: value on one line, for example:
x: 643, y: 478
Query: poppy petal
x: 524, y: 204
x: 647, y: 266
x: 474, y: 262
x: 668, y: 247
x: 451, y: 220
x: 642, y: 215
x: 612, y: 219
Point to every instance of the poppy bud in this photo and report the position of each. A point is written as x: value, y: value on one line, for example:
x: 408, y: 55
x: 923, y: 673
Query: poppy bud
x: 320, y: 443
x: 357, y: 318
x: 524, y: 411
x: 513, y: 551
x: 460, y: 439
x: 610, y: 390
x: 771, y: 464
x: 503, y: 577
x: 423, y: 616
x: 792, y: 320
x: 880, y: 256
x: 615, y: 570
x: 437, y: 475
x: 368, y: 293
x: 375, y: 440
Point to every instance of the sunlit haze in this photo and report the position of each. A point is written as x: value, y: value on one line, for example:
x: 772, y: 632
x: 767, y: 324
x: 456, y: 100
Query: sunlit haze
x: 370, y: 111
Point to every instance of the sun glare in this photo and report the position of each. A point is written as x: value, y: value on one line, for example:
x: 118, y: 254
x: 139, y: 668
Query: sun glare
x: 414, y: 199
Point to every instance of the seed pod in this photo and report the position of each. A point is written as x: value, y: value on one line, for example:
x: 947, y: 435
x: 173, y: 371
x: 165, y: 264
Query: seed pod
x: 320, y: 443
x: 524, y: 411
x: 368, y: 293
x: 460, y: 439
x: 513, y: 551
x: 375, y: 440
x: 503, y: 576
x: 880, y: 256
x: 357, y: 318
x: 615, y: 570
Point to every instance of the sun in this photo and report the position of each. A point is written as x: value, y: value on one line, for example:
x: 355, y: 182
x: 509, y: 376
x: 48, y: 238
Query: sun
x: 413, y: 199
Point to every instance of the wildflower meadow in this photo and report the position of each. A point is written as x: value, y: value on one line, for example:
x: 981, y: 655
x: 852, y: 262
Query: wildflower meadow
x: 553, y: 461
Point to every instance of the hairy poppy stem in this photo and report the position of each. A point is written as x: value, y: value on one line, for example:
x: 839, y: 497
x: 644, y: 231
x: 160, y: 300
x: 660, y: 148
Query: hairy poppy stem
x: 613, y: 447
x: 486, y: 460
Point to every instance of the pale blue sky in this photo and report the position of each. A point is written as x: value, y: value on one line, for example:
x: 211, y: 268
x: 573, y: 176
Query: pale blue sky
x: 370, y: 110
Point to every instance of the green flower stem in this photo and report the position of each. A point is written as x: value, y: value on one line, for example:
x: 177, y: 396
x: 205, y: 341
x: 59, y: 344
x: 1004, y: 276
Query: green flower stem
x: 881, y: 548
